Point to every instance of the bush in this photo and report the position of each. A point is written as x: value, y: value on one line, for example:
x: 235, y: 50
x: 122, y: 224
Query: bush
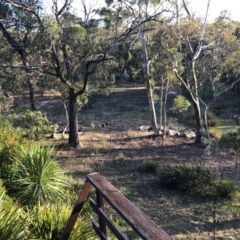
x: 193, y: 180
x: 212, y: 119
x: 180, y: 104
x: 231, y: 139
x: 10, y: 141
x: 38, y: 178
x: 48, y: 222
x: 226, y: 189
x: 150, y: 166
x: 34, y: 124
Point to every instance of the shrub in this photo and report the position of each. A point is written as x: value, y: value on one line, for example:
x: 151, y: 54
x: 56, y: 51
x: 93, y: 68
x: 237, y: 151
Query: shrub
x: 38, y: 178
x: 180, y: 104
x: 212, y: 119
x: 226, y: 188
x: 35, y: 124
x: 215, y: 133
x: 48, y: 222
x: 193, y: 180
x: 231, y: 139
x: 150, y: 166
x: 12, y: 225
x: 10, y: 141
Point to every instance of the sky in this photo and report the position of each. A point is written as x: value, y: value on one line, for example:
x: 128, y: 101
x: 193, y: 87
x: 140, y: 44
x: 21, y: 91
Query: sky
x: 198, y: 6
x: 216, y: 6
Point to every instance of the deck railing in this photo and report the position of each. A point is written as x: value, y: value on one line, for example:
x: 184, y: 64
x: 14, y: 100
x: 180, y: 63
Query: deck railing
x: 134, y: 217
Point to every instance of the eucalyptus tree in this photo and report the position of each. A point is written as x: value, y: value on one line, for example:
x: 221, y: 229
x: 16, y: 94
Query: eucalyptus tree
x: 162, y: 68
x: 17, y: 29
x: 190, y: 38
x: 136, y: 12
x: 202, y: 55
x: 220, y: 63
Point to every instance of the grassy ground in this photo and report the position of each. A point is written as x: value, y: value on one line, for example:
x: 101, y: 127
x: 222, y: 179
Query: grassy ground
x: 112, y: 146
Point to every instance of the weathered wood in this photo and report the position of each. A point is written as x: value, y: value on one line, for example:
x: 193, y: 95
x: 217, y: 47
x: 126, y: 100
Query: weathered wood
x: 98, y: 231
x: 139, y: 222
x: 110, y: 225
x: 76, y: 210
x: 101, y: 220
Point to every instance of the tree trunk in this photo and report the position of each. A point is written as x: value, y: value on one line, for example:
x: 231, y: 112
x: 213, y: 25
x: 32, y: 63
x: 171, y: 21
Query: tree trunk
x: 149, y: 85
x: 165, y: 107
x: 198, y: 120
x: 73, y: 123
x: 32, y: 95
x: 161, y: 105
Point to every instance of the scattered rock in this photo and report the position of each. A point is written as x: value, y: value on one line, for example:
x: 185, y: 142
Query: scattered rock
x: 172, y: 132
x: 190, y: 134
x: 172, y: 93
x: 144, y: 128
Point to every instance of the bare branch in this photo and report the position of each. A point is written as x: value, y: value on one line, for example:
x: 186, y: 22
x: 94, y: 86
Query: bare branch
x: 23, y: 67
x: 100, y: 58
x: 187, y: 11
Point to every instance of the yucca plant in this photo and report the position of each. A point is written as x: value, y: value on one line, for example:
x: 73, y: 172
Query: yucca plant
x: 38, y: 178
x: 48, y: 222
x: 12, y: 225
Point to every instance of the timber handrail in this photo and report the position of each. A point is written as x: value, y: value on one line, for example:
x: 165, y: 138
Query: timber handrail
x: 134, y: 217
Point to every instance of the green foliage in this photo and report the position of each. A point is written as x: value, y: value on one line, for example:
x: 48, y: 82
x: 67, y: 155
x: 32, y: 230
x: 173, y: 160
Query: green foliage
x: 38, y: 178
x: 6, y: 199
x: 192, y: 180
x: 35, y: 124
x: 150, y: 166
x: 10, y: 141
x: 12, y: 224
x: 231, y: 139
x: 180, y: 104
x: 212, y: 119
x: 48, y: 222
x: 226, y: 189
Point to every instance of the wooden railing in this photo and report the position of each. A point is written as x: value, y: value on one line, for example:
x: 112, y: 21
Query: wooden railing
x: 135, y: 218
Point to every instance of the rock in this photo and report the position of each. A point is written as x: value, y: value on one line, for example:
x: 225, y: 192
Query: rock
x: 172, y: 93
x: 144, y: 128
x: 172, y: 132
x: 181, y: 133
x: 166, y: 128
x: 190, y: 134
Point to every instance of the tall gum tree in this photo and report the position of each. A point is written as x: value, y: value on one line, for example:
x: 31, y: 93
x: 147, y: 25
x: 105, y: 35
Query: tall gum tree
x: 136, y: 12
x: 190, y: 34
x: 17, y: 27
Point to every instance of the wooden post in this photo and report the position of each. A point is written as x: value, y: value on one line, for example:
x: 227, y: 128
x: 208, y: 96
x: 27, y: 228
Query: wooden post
x: 100, y: 204
x: 76, y: 210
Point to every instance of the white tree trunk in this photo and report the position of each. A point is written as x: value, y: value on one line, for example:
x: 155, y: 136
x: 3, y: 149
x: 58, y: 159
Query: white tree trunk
x: 149, y: 85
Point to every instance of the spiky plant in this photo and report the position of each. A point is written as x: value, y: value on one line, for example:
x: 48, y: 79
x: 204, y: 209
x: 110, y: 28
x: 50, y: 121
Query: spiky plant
x: 48, y: 222
x: 38, y: 178
x: 12, y: 225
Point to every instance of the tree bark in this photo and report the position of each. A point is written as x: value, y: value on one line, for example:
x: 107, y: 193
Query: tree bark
x: 73, y: 122
x: 32, y: 95
x: 198, y: 123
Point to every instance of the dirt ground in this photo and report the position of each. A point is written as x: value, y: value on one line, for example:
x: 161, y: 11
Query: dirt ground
x: 112, y: 145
